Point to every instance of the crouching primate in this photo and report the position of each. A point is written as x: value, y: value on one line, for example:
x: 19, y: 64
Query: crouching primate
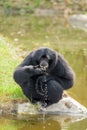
x: 43, y: 75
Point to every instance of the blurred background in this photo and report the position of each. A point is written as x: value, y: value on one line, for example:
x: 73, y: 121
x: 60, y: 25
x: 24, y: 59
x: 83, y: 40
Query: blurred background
x: 26, y: 25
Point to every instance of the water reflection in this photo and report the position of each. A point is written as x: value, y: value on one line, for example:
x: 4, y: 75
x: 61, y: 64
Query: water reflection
x: 6, y: 124
x: 46, y: 125
x: 81, y: 125
x: 42, y: 122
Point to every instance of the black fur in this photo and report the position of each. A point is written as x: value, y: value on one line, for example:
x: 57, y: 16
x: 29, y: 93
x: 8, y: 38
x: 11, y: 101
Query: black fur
x: 59, y: 76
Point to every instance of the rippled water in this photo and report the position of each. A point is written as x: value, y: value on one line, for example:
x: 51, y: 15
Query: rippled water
x: 31, y: 32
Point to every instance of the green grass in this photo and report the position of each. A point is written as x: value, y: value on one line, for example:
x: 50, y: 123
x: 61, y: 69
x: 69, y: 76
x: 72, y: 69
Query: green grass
x: 8, y: 62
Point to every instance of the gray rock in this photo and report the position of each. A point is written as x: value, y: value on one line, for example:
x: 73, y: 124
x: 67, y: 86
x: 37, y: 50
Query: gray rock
x: 67, y: 106
x: 66, y: 109
x: 79, y: 21
x: 26, y: 109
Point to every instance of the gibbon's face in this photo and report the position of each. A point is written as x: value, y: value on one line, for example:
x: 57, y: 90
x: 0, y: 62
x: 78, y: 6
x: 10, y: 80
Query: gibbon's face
x: 44, y: 57
x: 44, y: 62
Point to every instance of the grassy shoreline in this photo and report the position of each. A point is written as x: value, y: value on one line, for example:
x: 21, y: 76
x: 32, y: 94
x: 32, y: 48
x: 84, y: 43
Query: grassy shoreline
x: 8, y: 61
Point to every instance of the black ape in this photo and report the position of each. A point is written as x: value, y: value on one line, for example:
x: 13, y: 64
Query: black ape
x: 44, y: 84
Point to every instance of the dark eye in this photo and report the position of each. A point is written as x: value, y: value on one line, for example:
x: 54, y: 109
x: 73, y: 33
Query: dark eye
x: 50, y: 62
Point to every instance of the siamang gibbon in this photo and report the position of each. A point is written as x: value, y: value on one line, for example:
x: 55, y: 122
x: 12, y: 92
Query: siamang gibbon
x: 43, y: 76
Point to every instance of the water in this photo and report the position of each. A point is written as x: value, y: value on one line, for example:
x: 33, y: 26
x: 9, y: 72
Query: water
x: 42, y: 124
x: 29, y: 125
x: 29, y: 32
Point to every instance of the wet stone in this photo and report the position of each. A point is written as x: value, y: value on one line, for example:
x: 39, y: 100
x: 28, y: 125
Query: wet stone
x: 66, y: 106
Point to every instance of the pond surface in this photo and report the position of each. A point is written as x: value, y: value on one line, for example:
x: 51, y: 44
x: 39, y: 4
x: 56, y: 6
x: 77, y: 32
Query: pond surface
x: 29, y: 32
x: 42, y: 123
